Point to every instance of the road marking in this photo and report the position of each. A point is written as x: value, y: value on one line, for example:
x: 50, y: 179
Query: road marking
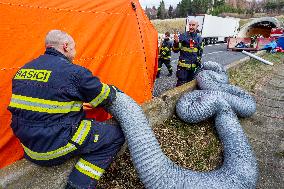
x: 217, y: 44
x: 213, y: 52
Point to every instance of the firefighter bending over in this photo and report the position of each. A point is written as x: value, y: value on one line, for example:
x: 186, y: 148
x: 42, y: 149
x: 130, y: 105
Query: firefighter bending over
x: 165, y: 55
x: 48, y: 118
x: 190, y: 46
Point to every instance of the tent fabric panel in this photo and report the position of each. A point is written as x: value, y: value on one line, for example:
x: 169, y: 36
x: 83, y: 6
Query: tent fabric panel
x: 108, y: 42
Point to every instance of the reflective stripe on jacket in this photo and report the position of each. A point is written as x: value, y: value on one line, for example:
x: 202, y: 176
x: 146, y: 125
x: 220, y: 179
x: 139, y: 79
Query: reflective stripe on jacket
x: 165, y: 50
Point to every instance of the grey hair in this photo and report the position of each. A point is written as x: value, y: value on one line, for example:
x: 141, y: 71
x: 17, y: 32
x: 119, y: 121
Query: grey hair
x: 54, y: 38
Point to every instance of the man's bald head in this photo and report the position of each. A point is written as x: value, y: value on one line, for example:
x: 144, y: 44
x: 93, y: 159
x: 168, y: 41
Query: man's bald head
x: 62, y: 42
x: 192, y: 25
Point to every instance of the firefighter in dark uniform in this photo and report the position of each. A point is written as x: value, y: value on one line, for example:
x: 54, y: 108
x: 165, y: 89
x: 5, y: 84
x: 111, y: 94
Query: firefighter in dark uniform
x: 165, y: 55
x: 190, y: 46
x: 48, y: 117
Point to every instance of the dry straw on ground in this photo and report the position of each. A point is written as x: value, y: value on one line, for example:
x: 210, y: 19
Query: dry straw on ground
x: 170, y: 25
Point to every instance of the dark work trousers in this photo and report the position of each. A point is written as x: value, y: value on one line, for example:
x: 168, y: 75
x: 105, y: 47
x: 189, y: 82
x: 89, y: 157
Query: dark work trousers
x: 96, y: 153
x: 101, y: 148
x: 184, y: 75
x: 168, y: 65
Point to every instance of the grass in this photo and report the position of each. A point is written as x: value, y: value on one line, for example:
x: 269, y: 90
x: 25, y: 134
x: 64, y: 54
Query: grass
x: 193, y: 146
x: 281, y: 18
x: 244, y: 21
x: 170, y: 25
x: 253, y: 71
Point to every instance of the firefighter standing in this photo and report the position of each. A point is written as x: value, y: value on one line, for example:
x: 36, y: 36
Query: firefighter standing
x: 190, y: 46
x: 48, y: 118
x: 165, y: 55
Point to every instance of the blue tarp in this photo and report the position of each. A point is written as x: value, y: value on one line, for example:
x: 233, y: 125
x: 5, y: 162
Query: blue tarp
x: 281, y: 42
x: 271, y: 45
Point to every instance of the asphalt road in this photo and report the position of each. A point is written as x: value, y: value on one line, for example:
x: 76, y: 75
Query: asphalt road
x: 216, y: 52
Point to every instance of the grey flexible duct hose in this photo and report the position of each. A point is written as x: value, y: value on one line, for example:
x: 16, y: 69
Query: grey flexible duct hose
x: 157, y: 171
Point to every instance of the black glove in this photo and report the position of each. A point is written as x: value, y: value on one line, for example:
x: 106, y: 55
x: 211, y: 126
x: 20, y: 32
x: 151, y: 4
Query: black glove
x: 116, y: 89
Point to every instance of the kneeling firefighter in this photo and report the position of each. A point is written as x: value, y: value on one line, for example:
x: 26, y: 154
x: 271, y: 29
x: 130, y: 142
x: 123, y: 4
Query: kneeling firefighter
x: 48, y: 117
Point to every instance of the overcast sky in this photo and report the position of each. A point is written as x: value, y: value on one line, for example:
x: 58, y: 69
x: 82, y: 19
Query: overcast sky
x: 151, y: 3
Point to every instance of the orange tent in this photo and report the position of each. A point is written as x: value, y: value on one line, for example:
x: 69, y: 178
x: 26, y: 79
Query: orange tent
x: 114, y: 39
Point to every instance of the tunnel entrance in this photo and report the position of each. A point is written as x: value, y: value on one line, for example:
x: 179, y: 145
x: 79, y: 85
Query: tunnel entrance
x: 262, y: 28
x: 259, y: 26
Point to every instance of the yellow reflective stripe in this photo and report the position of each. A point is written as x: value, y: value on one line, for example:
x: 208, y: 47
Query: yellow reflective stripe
x: 186, y: 65
x: 166, y: 58
x: 51, y: 154
x: 186, y: 49
x: 43, y: 101
x: 102, y: 96
x: 82, y: 132
x: 89, y: 169
x: 174, y: 48
x: 43, y: 110
x: 165, y: 48
x: 44, y: 106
